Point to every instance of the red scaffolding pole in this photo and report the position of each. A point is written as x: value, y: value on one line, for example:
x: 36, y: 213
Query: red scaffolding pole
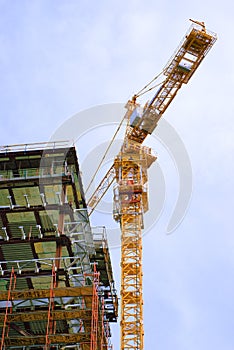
x: 51, y: 325
x: 94, y: 320
x: 5, y: 329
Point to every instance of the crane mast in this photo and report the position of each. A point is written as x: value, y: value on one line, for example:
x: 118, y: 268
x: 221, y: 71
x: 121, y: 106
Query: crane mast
x: 130, y: 203
x: 130, y: 173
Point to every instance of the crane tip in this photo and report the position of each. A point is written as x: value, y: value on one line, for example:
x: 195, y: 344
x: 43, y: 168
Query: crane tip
x: 202, y: 24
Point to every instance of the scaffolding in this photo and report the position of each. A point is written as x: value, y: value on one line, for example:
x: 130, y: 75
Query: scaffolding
x: 91, y: 328
x: 55, y: 270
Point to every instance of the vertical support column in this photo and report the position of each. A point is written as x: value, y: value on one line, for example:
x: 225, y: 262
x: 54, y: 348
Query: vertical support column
x: 129, y: 171
x: 102, y: 323
x: 131, y: 283
x: 60, y: 226
x: 61, y: 214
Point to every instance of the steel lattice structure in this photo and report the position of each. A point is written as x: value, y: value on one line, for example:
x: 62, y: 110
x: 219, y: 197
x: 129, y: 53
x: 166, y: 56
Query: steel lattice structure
x: 130, y: 173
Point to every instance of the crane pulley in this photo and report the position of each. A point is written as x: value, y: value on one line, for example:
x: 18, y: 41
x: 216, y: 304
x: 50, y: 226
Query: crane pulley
x: 130, y: 173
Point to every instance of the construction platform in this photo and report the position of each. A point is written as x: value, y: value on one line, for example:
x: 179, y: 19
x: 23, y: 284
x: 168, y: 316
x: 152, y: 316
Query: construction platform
x: 56, y: 283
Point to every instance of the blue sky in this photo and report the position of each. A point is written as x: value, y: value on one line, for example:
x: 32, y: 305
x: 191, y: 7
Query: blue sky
x: 60, y: 57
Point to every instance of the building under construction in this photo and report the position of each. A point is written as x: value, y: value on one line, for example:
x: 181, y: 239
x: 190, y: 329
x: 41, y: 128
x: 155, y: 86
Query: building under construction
x: 56, y: 286
x: 57, y: 289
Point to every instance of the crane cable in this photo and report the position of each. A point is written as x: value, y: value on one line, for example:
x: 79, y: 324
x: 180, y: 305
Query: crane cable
x: 141, y: 92
x: 104, y: 156
x: 153, y: 87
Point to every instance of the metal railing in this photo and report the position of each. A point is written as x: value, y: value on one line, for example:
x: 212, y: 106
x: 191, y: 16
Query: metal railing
x: 42, y: 172
x: 36, y: 146
x: 67, y: 263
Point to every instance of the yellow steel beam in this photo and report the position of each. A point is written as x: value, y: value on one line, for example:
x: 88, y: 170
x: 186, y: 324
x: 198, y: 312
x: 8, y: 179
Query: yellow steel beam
x: 54, y: 339
x: 178, y: 71
x: 45, y: 293
x: 131, y: 285
x: 31, y: 316
x: 131, y: 177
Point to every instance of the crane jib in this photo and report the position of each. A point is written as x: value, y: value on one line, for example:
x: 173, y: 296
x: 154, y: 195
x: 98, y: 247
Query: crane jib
x: 178, y: 71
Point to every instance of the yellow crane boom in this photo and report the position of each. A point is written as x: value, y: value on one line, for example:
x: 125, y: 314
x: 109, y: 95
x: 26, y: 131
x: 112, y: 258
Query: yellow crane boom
x: 130, y: 173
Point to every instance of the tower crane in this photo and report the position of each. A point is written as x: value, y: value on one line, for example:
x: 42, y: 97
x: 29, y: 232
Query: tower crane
x: 129, y: 171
